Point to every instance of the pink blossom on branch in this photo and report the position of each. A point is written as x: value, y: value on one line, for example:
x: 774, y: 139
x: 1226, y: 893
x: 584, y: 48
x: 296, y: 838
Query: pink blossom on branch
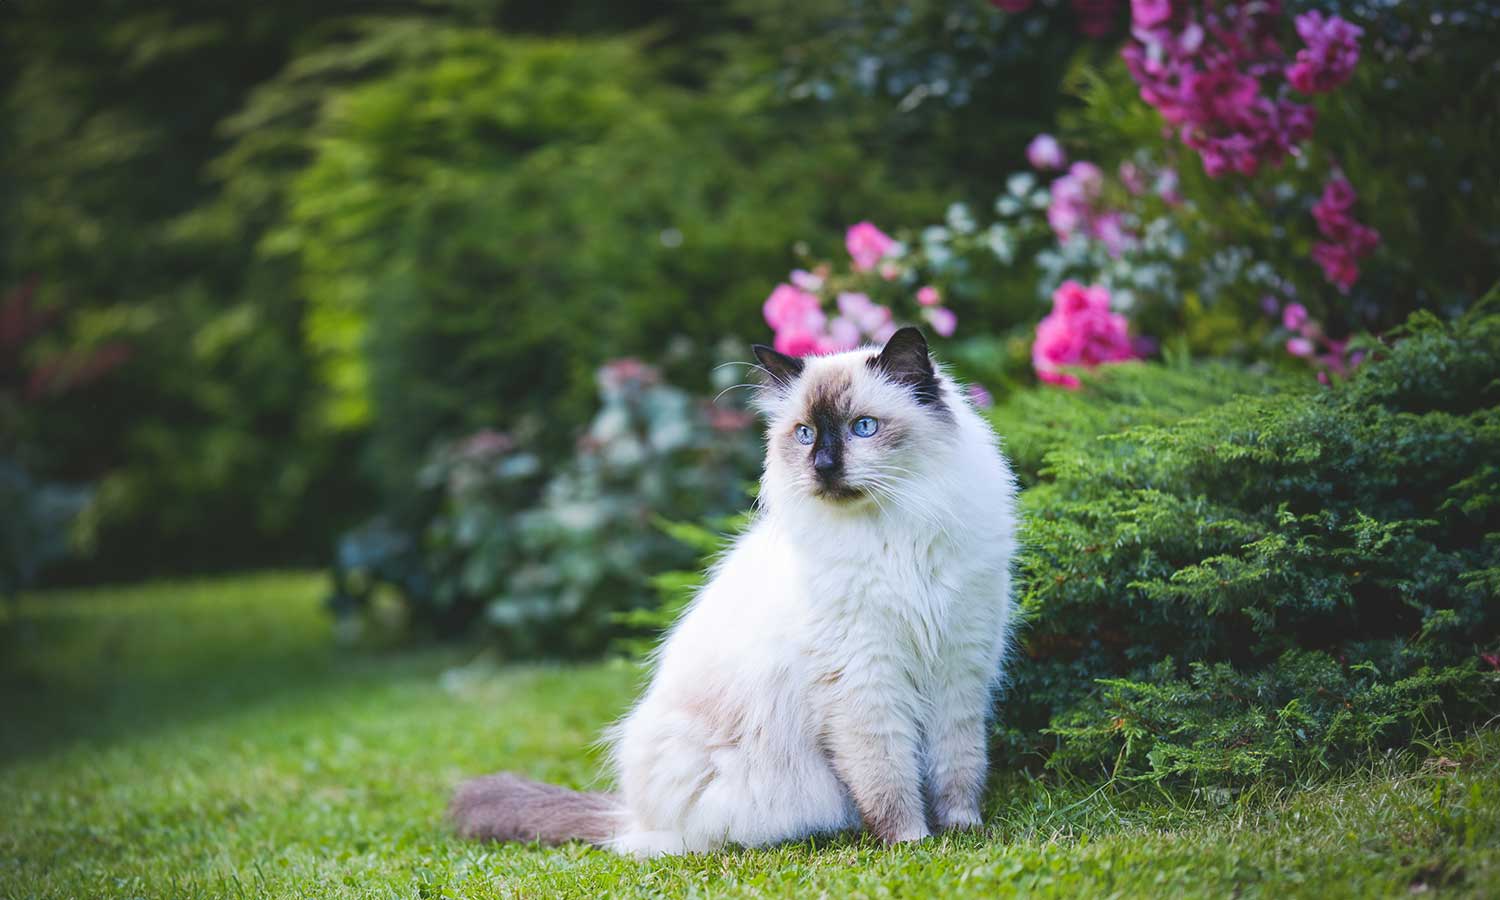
x: 1214, y: 73
x: 843, y: 334
x: 1330, y: 56
x: 1346, y: 241
x: 1074, y: 208
x: 1081, y: 331
x: 1149, y: 13
x: 1045, y: 153
x: 942, y: 319
x: 867, y: 245
x: 1294, y: 316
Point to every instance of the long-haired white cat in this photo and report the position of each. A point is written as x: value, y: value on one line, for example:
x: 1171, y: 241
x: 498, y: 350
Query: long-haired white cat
x: 840, y: 665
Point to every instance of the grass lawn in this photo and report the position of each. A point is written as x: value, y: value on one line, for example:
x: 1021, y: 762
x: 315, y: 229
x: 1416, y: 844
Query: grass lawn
x: 205, y: 738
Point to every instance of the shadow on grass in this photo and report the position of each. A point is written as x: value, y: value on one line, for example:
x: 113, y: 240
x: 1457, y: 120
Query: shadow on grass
x: 95, y: 665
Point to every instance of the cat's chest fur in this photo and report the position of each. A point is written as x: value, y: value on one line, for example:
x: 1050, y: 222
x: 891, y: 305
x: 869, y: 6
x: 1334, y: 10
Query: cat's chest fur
x: 908, y: 598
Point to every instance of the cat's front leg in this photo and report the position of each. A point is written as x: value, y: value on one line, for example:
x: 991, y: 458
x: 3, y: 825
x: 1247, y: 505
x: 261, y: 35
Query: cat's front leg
x: 874, y: 746
x: 957, y: 757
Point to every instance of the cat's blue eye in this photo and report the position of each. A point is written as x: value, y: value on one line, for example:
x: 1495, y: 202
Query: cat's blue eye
x: 864, y: 426
x: 804, y: 434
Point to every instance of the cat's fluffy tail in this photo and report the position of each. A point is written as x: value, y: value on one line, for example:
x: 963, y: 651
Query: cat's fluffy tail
x: 507, y: 807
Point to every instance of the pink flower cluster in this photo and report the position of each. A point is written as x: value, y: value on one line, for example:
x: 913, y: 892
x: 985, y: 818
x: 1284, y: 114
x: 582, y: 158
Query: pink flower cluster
x: 1075, y: 209
x: 867, y: 245
x: 1080, y: 331
x: 795, y: 308
x: 1308, y: 341
x: 1046, y: 153
x: 1330, y: 56
x: 1220, y: 81
x: 1346, y: 241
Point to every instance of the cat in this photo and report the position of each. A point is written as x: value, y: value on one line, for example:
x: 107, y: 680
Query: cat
x: 839, y: 668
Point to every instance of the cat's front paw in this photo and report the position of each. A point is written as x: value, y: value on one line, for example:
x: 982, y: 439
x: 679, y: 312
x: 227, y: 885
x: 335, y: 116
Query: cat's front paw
x: 905, y: 836
x: 960, y: 818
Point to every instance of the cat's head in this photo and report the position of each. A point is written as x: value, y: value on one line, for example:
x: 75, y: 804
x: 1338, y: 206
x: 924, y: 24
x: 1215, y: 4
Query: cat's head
x: 853, y: 426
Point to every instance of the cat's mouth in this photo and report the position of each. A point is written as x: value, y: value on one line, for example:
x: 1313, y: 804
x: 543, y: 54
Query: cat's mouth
x: 838, y: 493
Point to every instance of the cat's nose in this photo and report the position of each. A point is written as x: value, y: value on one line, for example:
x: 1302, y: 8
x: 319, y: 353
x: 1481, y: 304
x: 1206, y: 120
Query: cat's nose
x: 824, y: 462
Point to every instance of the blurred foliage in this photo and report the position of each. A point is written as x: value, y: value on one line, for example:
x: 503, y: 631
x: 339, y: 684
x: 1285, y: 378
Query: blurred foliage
x: 337, y: 235
x: 548, y: 560
x: 42, y: 520
x: 201, y: 450
x: 465, y: 214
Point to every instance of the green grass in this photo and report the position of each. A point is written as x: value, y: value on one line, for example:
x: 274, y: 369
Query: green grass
x: 206, y: 738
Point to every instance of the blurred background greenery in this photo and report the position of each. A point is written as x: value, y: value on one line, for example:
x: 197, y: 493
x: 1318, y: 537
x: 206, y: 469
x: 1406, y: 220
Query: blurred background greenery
x: 306, y: 242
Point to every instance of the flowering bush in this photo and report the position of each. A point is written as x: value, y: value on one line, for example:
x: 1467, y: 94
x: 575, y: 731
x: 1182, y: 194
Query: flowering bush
x: 1210, y: 187
x: 548, y: 558
x: 879, y: 265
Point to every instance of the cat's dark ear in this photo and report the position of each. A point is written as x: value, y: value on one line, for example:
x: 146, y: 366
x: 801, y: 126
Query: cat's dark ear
x: 783, y: 369
x: 905, y: 360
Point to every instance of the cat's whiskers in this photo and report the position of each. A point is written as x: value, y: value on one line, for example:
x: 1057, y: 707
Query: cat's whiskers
x: 753, y: 387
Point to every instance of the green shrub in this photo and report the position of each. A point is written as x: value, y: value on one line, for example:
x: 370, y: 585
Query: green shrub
x: 551, y: 559
x: 1275, y: 580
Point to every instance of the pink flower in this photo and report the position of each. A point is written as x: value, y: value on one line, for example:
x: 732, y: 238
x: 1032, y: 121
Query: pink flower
x: 1347, y: 241
x: 890, y: 271
x: 1044, y: 152
x: 1330, y: 56
x: 790, y: 308
x: 797, y: 343
x: 980, y: 397
x: 1072, y: 299
x: 843, y: 335
x: 1080, y: 331
x: 866, y: 245
x: 1294, y: 316
x: 1075, y: 196
x: 1299, y: 346
x: 869, y: 317
x: 1339, y: 194
x: 942, y: 320
x: 1338, y: 264
x: 1150, y: 13
x: 1109, y: 229
x: 807, y: 281
x: 927, y: 295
